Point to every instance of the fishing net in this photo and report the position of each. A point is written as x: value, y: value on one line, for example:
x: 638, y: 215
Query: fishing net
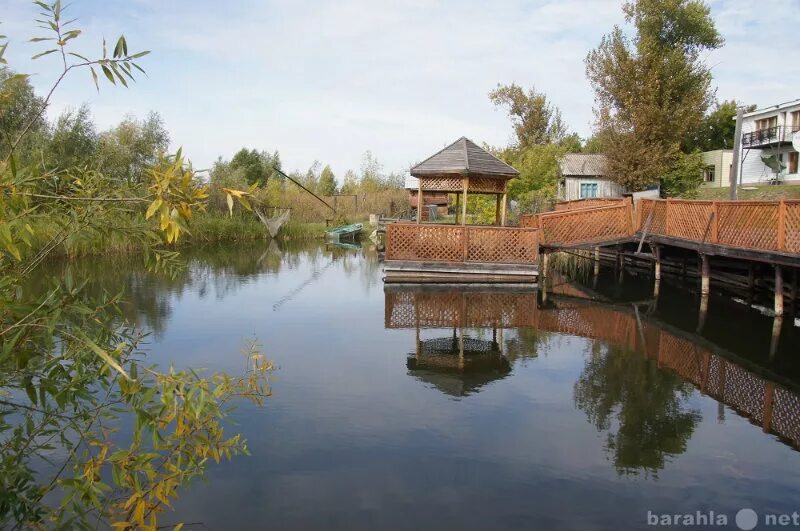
x: 274, y: 223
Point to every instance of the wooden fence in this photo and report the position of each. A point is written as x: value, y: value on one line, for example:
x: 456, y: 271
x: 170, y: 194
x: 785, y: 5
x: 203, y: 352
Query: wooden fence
x: 590, y: 202
x: 758, y: 225
x: 456, y: 243
x: 563, y: 228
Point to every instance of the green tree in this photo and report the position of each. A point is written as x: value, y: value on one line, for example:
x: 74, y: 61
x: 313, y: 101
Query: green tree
x: 20, y: 107
x: 73, y: 141
x: 350, y: 182
x: 371, y: 173
x: 685, y: 176
x: 327, y: 181
x: 536, y: 121
x: 537, y: 184
x: 652, y: 89
x: 253, y: 164
x: 126, y: 150
x: 717, y: 129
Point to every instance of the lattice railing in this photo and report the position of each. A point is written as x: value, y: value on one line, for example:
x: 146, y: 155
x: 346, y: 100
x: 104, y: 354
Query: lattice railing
x: 458, y: 308
x: 456, y: 243
x: 589, y: 202
x: 587, y: 225
x: 762, y: 225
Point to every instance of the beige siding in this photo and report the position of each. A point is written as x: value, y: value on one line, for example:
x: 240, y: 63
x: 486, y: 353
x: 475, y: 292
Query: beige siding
x: 605, y: 187
x: 721, y: 160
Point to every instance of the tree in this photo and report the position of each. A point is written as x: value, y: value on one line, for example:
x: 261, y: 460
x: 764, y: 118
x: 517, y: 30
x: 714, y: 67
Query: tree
x: 124, y: 151
x: 685, y: 175
x: 19, y: 107
x: 350, y: 182
x: 371, y: 173
x: 73, y: 141
x: 652, y: 89
x: 327, y: 181
x: 252, y: 163
x: 717, y: 129
x: 71, y: 373
x: 535, y: 120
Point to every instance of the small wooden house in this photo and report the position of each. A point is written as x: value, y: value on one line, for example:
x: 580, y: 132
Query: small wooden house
x: 583, y: 176
x: 440, y: 200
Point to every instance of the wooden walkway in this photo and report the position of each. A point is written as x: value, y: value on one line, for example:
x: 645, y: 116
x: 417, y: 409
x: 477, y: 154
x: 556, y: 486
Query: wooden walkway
x: 766, y: 231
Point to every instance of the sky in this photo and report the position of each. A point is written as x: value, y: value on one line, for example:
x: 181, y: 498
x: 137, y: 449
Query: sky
x: 326, y: 81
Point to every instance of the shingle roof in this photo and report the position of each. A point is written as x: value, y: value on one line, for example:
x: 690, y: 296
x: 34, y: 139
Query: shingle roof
x: 583, y: 164
x: 464, y: 157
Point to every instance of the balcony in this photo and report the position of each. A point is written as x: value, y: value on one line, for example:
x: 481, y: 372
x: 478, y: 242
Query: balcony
x: 769, y: 137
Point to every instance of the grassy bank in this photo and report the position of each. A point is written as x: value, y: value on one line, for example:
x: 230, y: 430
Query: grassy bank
x: 755, y: 193
x: 206, y: 228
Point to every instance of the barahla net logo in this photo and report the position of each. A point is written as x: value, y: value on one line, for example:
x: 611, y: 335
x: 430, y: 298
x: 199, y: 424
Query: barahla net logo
x: 745, y: 519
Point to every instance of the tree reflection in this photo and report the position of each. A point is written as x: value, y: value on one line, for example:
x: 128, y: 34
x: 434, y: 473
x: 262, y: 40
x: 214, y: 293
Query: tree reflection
x: 643, y: 410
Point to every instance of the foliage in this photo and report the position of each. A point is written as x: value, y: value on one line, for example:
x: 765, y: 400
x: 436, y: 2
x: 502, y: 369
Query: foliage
x: 535, y: 120
x: 257, y: 166
x: 70, y: 368
x: 73, y: 140
x: 717, y: 129
x: 125, y: 151
x: 327, y: 181
x: 537, y: 184
x: 19, y: 107
x: 653, y: 88
x: 684, y: 177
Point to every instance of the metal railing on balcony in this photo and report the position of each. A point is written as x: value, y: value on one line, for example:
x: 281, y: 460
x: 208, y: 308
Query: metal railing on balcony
x: 769, y: 135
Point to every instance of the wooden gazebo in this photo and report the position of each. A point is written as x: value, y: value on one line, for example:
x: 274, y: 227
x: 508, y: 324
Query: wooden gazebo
x: 462, y: 168
x: 460, y: 252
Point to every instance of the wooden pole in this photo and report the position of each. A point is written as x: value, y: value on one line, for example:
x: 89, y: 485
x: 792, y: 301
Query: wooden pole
x: 458, y: 201
x: 769, y: 394
x: 778, y: 290
x: 701, y: 318
x: 497, y: 210
x: 657, y: 253
x: 503, y: 208
x: 737, y: 147
x: 596, y: 261
x: 777, y: 324
x: 419, y: 201
x: 464, y: 206
x: 705, y: 274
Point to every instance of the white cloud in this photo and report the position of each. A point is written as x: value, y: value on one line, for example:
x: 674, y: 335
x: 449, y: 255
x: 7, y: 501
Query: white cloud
x: 328, y: 80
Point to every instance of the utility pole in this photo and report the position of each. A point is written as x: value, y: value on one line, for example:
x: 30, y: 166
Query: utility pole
x: 737, y: 147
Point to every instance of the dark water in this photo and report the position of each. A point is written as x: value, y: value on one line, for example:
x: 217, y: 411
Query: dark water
x: 480, y: 409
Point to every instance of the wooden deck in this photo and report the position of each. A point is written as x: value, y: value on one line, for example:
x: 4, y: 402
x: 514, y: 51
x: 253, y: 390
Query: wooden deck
x: 431, y: 252
x: 767, y: 231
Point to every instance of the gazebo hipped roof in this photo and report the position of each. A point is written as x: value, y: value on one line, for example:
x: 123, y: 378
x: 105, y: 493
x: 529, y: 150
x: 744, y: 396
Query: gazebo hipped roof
x: 464, y: 157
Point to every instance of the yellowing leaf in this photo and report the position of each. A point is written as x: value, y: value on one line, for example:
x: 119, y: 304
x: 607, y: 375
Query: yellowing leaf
x: 153, y: 208
x: 230, y: 203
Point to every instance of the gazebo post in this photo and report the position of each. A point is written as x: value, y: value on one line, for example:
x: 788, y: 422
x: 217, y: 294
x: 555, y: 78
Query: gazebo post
x: 458, y: 206
x: 419, y: 201
x: 497, y: 210
x: 464, y: 206
x: 503, y: 209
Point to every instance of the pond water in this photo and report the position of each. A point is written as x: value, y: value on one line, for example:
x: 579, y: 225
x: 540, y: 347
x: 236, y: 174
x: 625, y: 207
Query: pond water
x: 472, y: 408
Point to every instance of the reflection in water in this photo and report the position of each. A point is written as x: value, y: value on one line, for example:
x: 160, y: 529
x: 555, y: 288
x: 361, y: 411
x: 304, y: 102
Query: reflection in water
x: 637, y: 381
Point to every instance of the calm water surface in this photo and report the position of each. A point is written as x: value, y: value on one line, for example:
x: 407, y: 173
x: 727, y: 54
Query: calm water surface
x: 473, y: 409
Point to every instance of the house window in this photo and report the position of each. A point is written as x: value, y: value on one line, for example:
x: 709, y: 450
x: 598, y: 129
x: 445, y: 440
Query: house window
x: 793, y: 161
x: 766, y: 123
x: 588, y: 190
x: 708, y: 174
x: 795, y: 121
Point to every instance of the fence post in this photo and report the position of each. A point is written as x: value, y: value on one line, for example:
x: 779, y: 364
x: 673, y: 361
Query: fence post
x: 715, y: 224
x: 629, y: 208
x: 782, y: 225
x: 666, y: 219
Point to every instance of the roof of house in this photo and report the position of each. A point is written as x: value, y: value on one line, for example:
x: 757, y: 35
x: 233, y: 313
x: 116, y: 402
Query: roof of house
x: 464, y: 157
x: 771, y: 108
x: 583, y: 164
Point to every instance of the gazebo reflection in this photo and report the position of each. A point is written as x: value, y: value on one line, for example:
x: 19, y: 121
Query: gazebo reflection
x: 472, y: 354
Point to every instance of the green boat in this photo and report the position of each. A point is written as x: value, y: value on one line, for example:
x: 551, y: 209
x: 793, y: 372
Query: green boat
x: 345, y: 232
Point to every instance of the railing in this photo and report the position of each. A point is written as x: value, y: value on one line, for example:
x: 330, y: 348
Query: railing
x: 582, y: 226
x: 769, y: 135
x: 758, y: 225
x: 589, y: 202
x: 456, y: 243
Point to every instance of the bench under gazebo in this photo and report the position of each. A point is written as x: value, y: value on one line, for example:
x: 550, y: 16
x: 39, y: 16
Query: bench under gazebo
x: 418, y: 251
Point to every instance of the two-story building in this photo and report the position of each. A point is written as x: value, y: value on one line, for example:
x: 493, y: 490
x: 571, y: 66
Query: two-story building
x: 767, y: 154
